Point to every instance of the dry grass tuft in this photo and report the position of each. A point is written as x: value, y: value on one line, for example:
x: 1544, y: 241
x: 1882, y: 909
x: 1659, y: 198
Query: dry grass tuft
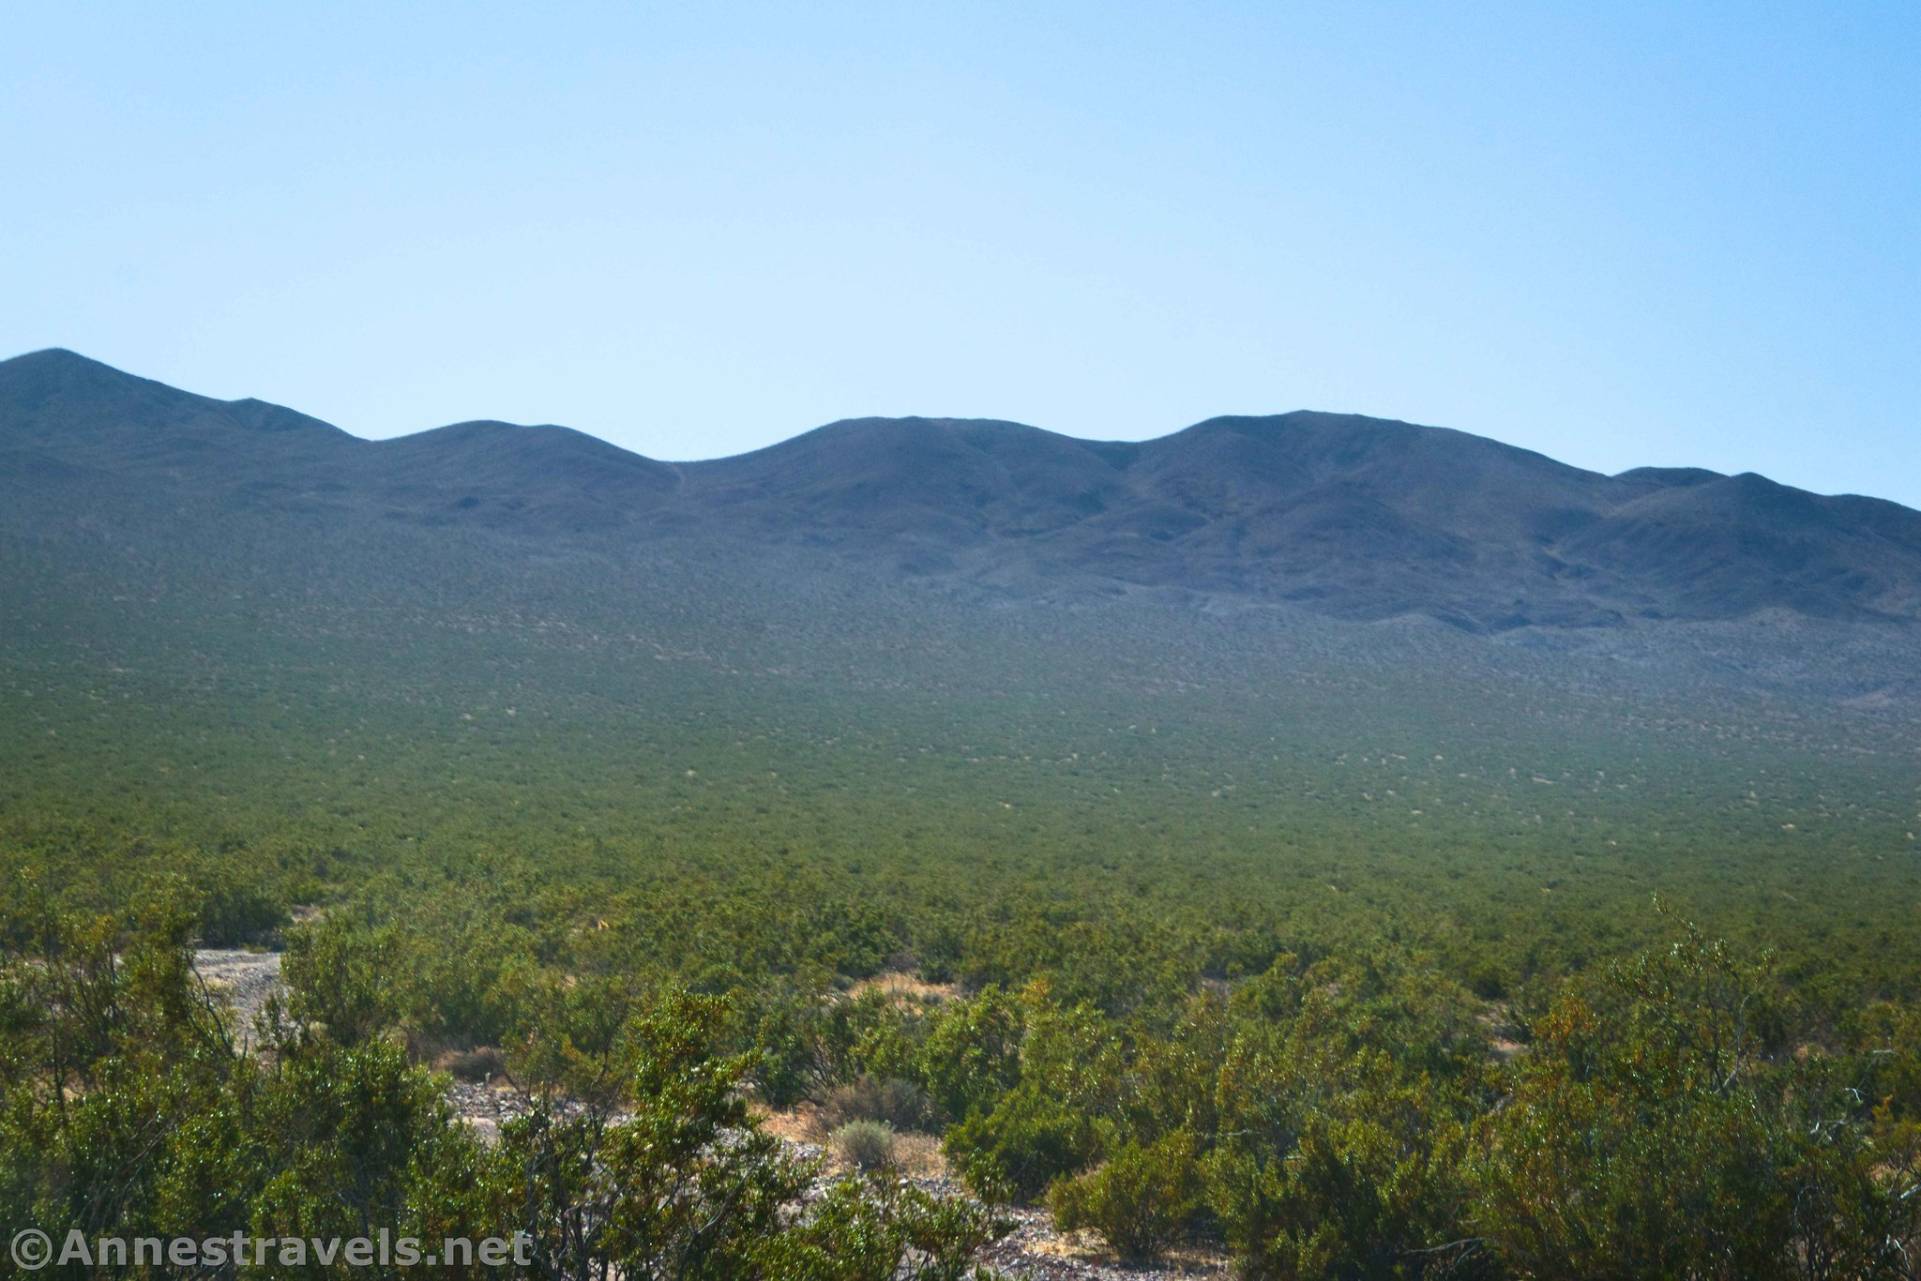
x: 482, y: 1063
x: 906, y: 988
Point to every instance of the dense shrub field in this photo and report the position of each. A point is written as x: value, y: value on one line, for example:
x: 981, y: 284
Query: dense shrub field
x: 1462, y: 964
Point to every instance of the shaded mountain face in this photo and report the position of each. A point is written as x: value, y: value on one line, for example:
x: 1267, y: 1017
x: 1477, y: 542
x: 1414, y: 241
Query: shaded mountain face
x: 1351, y: 517
x: 59, y: 407
x: 551, y: 480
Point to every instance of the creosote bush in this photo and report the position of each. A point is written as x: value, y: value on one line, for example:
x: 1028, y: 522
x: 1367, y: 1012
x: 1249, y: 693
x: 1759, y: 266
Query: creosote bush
x: 1140, y: 1199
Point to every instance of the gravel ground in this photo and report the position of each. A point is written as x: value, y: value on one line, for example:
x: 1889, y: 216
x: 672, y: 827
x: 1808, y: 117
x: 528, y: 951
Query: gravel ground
x: 243, y: 980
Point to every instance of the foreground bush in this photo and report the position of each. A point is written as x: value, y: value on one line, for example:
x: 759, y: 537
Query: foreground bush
x: 1342, y: 1117
x: 125, y: 1111
x: 1660, y: 1128
x: 1140, y: 1200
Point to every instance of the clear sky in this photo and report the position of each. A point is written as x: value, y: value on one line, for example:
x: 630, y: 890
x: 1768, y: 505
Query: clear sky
x: 1617, y: 233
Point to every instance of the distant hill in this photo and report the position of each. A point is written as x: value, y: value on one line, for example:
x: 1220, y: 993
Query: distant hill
x: 1348, y: 517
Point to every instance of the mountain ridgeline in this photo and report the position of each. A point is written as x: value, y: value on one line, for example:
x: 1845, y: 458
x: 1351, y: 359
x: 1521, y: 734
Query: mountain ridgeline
x: 1335, y: 515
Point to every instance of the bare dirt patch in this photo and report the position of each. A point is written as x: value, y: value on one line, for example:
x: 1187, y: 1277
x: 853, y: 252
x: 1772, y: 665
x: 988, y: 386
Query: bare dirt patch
x: 242, y: 981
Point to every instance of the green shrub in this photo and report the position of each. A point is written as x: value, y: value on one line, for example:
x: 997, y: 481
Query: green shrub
x: 972, y: 1053
x: 340, y: 978
x: 235, y: 911
x: 865, y: 1145
x: 1343, y: 1102
x: 791, y: 1058
x: 866, y: 1229
x: 1015, y: 1151
x: 1140, y: 1200
x: 1659, y: 1127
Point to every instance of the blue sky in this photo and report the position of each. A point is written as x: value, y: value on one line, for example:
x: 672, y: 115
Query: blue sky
x: 1619, y: 234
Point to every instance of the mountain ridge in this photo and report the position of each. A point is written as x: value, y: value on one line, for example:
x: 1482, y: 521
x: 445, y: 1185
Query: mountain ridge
x: 1665, y: 474
x: 1354, y: 517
